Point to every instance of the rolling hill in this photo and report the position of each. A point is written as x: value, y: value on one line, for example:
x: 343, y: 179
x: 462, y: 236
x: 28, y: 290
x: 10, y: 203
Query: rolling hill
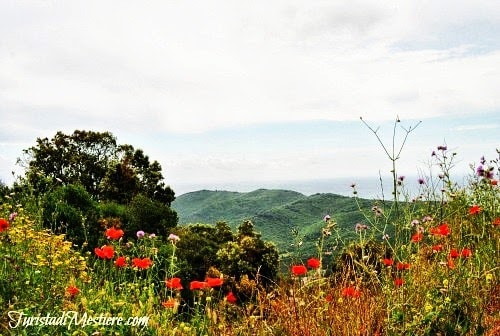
x: 275, y: 213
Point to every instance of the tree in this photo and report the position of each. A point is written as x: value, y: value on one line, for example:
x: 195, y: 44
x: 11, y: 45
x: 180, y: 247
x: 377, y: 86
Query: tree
x: 94, y: 160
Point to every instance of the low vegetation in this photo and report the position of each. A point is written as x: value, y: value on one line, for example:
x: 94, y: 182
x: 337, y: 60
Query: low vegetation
x: 424, y: 264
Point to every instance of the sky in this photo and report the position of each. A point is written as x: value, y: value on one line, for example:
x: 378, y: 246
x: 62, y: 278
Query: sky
x: 247, y: 94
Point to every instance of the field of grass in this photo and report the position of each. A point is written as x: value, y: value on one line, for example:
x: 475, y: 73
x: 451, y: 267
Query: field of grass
x: 426, y: 264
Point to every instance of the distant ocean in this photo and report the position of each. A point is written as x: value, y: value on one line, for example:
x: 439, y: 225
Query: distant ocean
x: 367, y: 187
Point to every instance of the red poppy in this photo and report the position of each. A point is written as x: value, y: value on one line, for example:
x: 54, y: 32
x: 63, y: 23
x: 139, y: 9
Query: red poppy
x: 174, y: 283
x: 121, y: 262
x: 388, y: 262
x: 142, y: 263
x: 494, y: 182
x: 475, y: 209
x: 170, y: 303
x: 197, y: 285
x: 441, y: 230
x: 4, y: 224
x: 106, y: 252
x: 466, y: 253
x: 313, y: 263
x: 496, y: 221
x: 214, y: 282
x: 329, y: 298
x: 402, y: 266
x: 437, y: 248
x: 114, y: 234
x: 451, y: 263
x: 351, y: 292
x: 231, y: 298
x: 417, y: 237
x: 72, y: 291
x: 298, y: 270
x: 454, y: 253
x: 398, y: 282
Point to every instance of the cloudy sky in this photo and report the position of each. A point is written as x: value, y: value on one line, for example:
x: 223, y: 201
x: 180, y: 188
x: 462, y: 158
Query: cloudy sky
x: 226, y: 92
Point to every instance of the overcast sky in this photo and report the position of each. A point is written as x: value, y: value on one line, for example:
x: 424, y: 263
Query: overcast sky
x: 221, y: 92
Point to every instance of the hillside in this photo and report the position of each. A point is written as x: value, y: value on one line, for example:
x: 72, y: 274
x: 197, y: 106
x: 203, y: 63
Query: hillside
x: 275, y: 213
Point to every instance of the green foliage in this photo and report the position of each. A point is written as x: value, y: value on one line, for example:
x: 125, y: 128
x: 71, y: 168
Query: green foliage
x: 70, y: 210
x: 107, y: 171
x: 150, y: 216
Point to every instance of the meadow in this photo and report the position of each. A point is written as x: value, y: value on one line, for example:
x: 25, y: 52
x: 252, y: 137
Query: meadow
x: 424, y: 264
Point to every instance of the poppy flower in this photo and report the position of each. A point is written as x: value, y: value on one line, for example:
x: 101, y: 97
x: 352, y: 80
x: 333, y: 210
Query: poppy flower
x: 466, y: 253
x: 496, y: 221
x: 170, y: 303
x: 417, y: 237
x: 329, y: 298
x: 72, y: 291
x: 398, y: 282
x: 388, y: 262
x: 142, y: 263
x: 441, y: 230
x: 174, y: 283
x: 475, y: 209
x: 121, y: 262
x: 4, y: 224
x: 231, y: 298
x: 114, y: 234
x: 402, y: 266
x: 451, y: 263
x: 214, y: 282
x: 298, y: 270
x: 313, y: 263
x: 194, y: 285
x: 494, y: 182
x: 106, y: 252
x: 454, y: 253
x: 437, y: 248
x: 351, y: 292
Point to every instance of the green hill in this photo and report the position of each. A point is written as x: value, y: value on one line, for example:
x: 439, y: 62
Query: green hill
x: 276, y: 214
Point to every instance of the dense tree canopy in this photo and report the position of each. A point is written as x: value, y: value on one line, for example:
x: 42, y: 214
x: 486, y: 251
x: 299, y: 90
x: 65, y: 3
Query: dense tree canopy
x: 107, y: 171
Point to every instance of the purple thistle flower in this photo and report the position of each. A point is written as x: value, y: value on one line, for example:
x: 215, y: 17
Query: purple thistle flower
x: 442, y: 148
x: 140, y: 234
x: 421, y: 181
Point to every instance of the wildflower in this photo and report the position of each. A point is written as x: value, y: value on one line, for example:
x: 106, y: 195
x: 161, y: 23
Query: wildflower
x: 173, y: 238
x: 480, y: 171
x: 385, y: 236
x: 441, y: 230
x: 360, y: 227
x: 151, y: 236
x: 298, y: 270
x: 437, y: 248
x: 140, y: 234
x: 451, y: 263
x: 421, y: 181
x: 466, y: 253
x: 72, y: 291
x: 170, y: 303
x: 194, y: 285
x: 388, y: 262
x: 174, y: 283
x: 214, y: 282
x: 402, y: 266
x: 231, y: 298
x: 454, y: 253
x: 351, y: 292
x: 433, y: 153
x: 398, y: 282
x: 12, y: 216
x: 327, y: 218
x: 442, y: 148
x: 482, y: 160
x: 313, y: 263
x: 417, y: 237
x: 142, y: 263
x: 496, y: 221
x: 114, y: 234
x: 105, y: 252
x: 4, y: 225
x: 121, y: 262
x: 427, y: 219
x: 494, y: 182
x: 329, y: 298
x: 475, y: 209
x: 415, y: 222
